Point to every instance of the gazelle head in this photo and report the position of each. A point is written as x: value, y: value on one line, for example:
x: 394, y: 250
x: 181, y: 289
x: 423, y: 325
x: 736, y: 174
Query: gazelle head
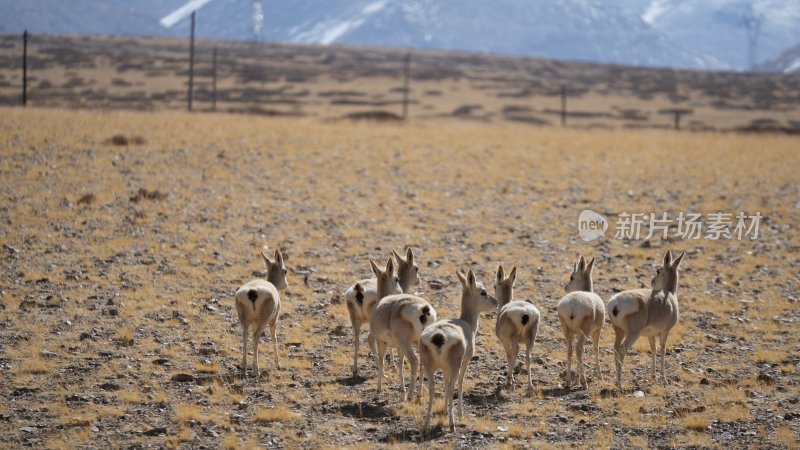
x: 407, y: 271
x: 666, y: 278
x: 504, y: 287
x: 475, y: 294
x: 276, y: 270
x: 581, y: 277
x: 388, y: 282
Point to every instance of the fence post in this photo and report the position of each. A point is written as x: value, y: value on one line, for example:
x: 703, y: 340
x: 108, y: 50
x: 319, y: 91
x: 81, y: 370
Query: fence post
x: 191, y: 62
x: 677, y: 114
x: 214, y: 82
x: 25, y: 68
x: 407, y: 75
x: 563, y: 104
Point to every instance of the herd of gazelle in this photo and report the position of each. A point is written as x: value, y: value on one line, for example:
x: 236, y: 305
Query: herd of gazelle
x: 398, y: 319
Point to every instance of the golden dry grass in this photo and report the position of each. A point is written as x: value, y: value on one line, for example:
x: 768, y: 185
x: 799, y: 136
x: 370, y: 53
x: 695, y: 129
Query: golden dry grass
x: 275, y: 414
x: 331, y: 195
x: 207, y: 368
x: 770, y: 356
x: 785, y: 436
x: 35, y: 365
x: 185, y: 413
x: 696, y: 422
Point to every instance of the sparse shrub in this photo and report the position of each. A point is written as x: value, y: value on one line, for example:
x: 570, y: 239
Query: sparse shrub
x: 87, y: 199
x: 118, y: 140
x: 378, y: 116
x: 121, y: 140
x: 143, y: 193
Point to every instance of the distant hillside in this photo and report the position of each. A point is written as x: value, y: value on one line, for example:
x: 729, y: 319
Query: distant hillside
x: 697, y: 34
x: 336, y: 82
x: 568, y: 29
x: 787, y: 62
x: 83, y: 16
x: 716, y: 27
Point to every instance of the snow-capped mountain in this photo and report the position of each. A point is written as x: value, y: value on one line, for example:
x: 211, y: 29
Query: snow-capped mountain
x: 717, y: 27
x: 700, y: 34
x: 564, y: 29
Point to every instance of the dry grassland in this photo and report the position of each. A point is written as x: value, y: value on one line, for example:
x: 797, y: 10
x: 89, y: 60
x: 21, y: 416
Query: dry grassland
x: 330, y: 82
x: 119, y: 264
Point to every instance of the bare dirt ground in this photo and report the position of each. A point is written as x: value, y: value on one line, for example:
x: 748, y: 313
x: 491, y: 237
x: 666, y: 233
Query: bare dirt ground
x: 117, y: 324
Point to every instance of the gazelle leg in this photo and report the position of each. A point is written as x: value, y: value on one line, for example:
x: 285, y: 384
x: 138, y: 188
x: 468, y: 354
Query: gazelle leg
x: 511, y: 359
x: 663, y: 356
x: 569, y: 338
x: 356, y: 339
x: 451, y: 381
x: 273, y: 331
x: 429, y: 374
x: 619, y: 354
x: 256, y: 339
x: 596, y: 345
x: 244, y: 349
x: 405, y: 350
x: 653, y: 354
x: 461, y: 373
x: 379, y: 355
x: 579, y: 347
x: 528, y: 350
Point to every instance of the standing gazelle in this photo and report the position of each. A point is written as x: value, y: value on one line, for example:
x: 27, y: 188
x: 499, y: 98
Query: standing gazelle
x: 362, y: 297
x: 258, y: 304
x: 397, y: 321
x: 581, y: 313
x: 646, y: 312
x: 517, y: 322
x: 450, y: 344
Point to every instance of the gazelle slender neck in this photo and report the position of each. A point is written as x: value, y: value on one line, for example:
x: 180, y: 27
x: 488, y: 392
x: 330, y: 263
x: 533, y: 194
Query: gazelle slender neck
x: 405, y: 285
x: 504, y: 295
x: 470, y: 313
x: 672, y: 286
x: 382, y: 290
x: 386, y: 287
x: 274, y: 277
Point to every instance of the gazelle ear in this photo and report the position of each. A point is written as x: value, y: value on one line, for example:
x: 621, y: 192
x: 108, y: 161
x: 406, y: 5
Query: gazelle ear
x: 390, y: 265
x: 589, y: 267
x: 677, y: 262
x: 278, y: 257
x: 267, y: 261
x: 375, y: 269
x: 501, y: 275
x: 400, y: 259
x: 574, y: 267
x: 409, y: 256
x: 667, y: 258
x: 461, y: 278
x: 513, y: 275
x: 471, y: 278
x: 581, y: 264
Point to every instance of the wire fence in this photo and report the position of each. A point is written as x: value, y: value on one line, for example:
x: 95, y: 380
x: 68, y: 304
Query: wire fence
x: 393, y: 84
